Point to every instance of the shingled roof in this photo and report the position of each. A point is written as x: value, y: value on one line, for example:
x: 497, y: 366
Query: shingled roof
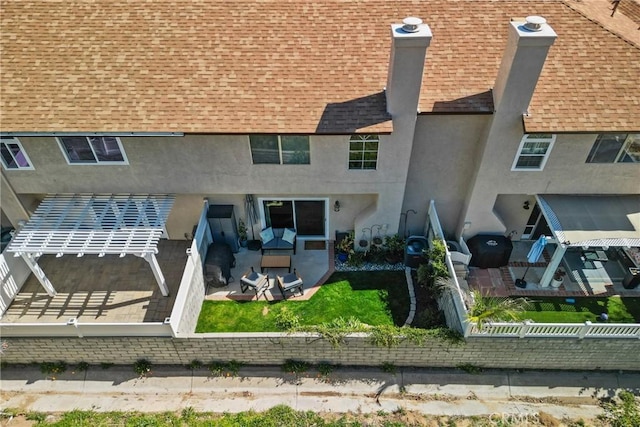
x: 290, y: 66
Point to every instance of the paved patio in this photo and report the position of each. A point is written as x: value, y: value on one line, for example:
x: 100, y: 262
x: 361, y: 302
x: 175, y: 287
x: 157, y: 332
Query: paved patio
x: 313, y: 265
x: 579, y: 282
x: 111, y: 289
x: 101, y: 289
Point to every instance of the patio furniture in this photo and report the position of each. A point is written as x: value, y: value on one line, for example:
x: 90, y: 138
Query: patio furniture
x: 278, y: 239
x: 275, y: 261
x: 259, y: 283
x: 292, y: 282
x: 218, y: 264
x: 595, y: 255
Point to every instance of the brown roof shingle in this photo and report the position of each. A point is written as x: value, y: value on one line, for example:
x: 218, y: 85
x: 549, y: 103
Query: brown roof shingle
x: 289, y: 66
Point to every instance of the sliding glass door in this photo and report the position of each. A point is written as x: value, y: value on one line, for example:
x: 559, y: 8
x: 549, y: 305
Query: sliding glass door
x: 306, y: 216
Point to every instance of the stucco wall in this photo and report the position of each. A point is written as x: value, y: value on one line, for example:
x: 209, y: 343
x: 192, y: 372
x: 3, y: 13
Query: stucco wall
x: 566, y: 172
x: 220, y: 167
x: 274, y: 349
x: 441, y: 167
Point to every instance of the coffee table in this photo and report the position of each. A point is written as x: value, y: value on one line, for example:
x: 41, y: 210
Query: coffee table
x: 275, y: 261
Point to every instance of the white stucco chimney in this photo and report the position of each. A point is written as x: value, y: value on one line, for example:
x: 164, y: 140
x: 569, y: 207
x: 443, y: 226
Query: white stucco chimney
x: 409, y: 42
x: 528, y: 43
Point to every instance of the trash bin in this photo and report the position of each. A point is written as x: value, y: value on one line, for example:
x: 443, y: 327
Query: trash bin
x: 413, y: 251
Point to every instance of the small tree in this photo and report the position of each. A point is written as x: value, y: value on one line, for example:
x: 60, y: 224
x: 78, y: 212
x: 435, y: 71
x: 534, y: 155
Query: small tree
x: 486, y: 308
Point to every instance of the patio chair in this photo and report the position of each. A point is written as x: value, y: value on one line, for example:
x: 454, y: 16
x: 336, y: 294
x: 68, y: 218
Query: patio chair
x: 259, y: 283
x: 292, y: 282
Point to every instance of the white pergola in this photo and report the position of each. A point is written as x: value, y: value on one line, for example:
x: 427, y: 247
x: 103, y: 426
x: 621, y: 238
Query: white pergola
x: 589, y: 221
x: 96, y: 224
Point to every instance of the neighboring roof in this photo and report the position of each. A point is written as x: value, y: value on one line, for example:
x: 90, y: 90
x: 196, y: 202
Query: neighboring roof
x: 290, y: 66
x: 593, y: 220
x: 94, y: 224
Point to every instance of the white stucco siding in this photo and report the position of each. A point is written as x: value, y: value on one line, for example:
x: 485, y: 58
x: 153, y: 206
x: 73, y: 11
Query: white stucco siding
x: 441, y: 168
x: 566, y: 172
x: 207, y: 164
x: 220, y: 167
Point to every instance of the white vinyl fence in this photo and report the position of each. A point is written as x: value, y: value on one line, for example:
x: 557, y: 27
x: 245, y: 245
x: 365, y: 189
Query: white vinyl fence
x: 452, y: 303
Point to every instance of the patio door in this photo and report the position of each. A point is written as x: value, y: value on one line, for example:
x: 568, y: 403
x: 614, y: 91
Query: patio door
x: 536, y: 225
x: 307, y: 216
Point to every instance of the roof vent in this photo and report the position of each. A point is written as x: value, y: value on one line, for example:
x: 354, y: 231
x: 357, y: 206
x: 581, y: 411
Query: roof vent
x: 534, y: 23
x: 410, y: 24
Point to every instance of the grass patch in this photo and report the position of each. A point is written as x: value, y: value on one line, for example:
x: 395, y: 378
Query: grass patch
x: 374, y: 298
x: 558, y: 310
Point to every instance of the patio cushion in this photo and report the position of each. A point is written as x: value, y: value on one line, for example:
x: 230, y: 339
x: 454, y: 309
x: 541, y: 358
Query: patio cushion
x: 267, y: 235
x: 289, y: 235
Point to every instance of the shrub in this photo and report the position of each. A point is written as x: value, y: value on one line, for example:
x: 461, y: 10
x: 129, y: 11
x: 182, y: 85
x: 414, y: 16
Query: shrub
x: 287, y: 320
x: 622, y: 411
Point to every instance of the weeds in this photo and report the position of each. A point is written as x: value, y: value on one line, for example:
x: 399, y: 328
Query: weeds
x: 194, y: 364
x: 295, y: 366
x: 470, y: 368
x: 389, y: 368
x: 229, y: 369
x: 82, y: 367
x: 142, y: 367
x: 53, y: 368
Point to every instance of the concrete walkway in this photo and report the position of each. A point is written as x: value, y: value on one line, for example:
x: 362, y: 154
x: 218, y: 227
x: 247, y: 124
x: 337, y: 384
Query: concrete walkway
x: 367, y: 390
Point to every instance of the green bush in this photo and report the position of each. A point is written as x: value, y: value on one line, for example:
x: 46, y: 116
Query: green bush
x: 622, y: 411
x: 287, y: 320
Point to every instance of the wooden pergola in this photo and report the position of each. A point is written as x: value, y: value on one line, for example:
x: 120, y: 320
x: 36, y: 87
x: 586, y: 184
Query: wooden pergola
x: 95, y: 224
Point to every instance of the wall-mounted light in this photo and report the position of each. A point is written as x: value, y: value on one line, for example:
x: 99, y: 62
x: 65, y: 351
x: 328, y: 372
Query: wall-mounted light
x: 525, y: 206
x: 336, y: 206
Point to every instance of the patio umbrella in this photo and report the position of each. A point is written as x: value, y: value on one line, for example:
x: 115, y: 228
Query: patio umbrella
x: 532, y: 257
x: 252, y: 217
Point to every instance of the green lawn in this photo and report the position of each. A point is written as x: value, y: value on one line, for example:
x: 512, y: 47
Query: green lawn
x: 374, y: 298
x: 558, y: 310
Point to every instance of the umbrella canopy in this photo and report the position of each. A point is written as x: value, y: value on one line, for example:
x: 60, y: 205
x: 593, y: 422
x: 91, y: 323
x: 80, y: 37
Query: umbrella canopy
x: 536, y: 249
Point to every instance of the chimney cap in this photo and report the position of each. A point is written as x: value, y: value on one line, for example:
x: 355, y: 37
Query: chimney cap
x: 534, y: 23
x: 411, y: 24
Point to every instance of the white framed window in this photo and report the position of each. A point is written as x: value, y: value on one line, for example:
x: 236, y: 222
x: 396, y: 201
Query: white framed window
x: 363, y: 152
x: 13, y: 154
x: 82, y: 150
x: 615, y: 148
x: 280, y: 149
x: 533, y: 152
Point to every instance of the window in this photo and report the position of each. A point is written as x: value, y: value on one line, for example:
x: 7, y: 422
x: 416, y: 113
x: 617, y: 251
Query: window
x: 13, y: 155
x: 280, y: 149
x: 615, y: 148
x: 533, y: 152
x: 92, y: 149
x: 363, y: 151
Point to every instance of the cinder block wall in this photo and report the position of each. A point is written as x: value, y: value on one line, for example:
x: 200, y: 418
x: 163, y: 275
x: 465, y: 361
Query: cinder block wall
x: 274, y: 349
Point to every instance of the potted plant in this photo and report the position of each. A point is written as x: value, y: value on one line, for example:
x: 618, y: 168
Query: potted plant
x: 394, y: 246
x: 345, y: 247
x: 242, y: 233
x: 558, y: 278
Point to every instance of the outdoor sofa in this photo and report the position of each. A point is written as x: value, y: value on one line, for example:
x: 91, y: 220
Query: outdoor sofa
x: 278, y: 239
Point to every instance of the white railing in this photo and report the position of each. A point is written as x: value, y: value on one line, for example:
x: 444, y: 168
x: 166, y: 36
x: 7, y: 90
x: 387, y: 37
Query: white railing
x: 452, y: 301
x: 188, y: 303
x: 73, y: 328
x: 13, y: 273
x: 529, y: 329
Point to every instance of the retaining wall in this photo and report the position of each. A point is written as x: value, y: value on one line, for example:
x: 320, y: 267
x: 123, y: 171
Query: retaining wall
x: 275, y: 348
